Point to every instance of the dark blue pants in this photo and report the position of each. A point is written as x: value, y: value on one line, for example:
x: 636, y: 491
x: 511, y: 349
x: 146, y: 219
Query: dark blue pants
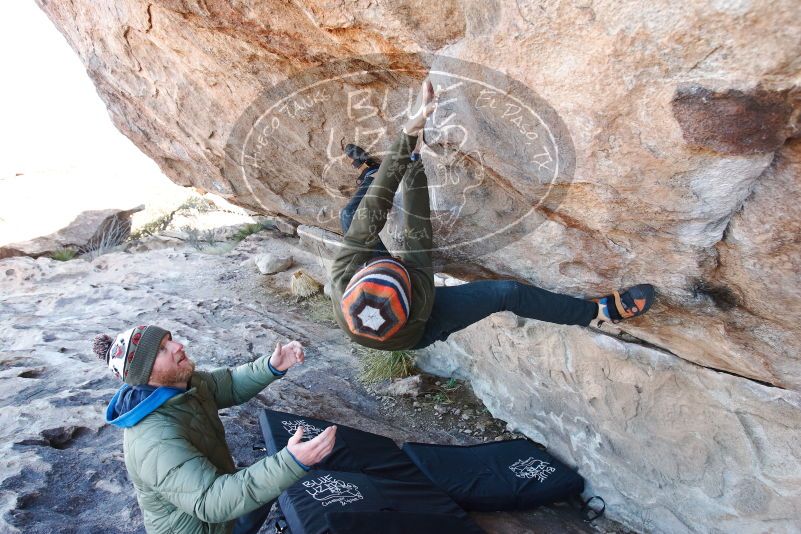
x: 347, y: 213
x: 251, y: 522
x: 457, y: 307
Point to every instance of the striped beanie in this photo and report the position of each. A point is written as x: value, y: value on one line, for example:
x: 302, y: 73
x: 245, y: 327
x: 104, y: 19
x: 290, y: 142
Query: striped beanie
x: 376, y: 301
x: 132, y: 353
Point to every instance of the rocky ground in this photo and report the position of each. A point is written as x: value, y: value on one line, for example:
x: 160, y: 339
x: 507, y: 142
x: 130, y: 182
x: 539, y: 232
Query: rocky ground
x: 61, y: 468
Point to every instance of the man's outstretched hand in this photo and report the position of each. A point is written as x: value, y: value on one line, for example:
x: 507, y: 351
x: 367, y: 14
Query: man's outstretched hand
x: 285, y: 356
x: 312, y: 451
x: 424, y: 106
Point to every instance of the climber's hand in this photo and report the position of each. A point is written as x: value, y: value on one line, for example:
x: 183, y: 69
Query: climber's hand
x: 425, y: 105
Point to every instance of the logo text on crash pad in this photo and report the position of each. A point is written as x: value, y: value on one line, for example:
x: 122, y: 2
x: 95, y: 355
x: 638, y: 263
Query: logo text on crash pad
x: 532, y: 468
x: 329, y: 490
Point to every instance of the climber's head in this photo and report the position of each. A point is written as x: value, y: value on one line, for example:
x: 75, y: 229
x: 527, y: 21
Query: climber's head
x: 377, y: 300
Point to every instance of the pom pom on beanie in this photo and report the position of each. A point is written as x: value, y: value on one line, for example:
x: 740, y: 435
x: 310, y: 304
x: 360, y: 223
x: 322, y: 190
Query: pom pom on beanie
x: 100, y: 346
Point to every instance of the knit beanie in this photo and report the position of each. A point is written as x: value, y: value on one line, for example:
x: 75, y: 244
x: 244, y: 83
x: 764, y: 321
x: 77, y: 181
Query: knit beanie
x: 132, y: 353
x: 376, y: 300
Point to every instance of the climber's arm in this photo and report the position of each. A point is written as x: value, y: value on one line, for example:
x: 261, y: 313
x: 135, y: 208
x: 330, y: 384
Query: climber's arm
x: 417, y: 233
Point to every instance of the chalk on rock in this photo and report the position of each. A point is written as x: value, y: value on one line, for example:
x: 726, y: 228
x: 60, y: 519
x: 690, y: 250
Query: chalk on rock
x: 451, y: 281
x: 272, y: 263
x: 442, y: 279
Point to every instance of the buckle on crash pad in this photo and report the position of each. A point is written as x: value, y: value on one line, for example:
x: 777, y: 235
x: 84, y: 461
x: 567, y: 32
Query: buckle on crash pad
x: 591, y: 514
x: 280, y: 526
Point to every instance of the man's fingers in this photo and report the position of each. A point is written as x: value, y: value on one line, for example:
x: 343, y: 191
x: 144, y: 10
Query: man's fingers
x: 297, y: 436
x: 324, y: 444
x: 329, y: 446
x: 324, y: 438
x: 292, y: 348
x: 329, y: 439
x: 295, y: 349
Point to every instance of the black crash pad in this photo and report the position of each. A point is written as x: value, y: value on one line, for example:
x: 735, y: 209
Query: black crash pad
x: 395, y: 523
x: 503, y: 475
x: 355, y: 450
x: 337, y: 502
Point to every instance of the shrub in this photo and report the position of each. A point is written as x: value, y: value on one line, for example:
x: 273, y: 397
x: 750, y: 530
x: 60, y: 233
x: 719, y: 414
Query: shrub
x: 114, y: 233
x: 192, y: 236
x: 153, y: 227
x: 197, y: 203
x: 210, y: 236
x: 380, y: 365
x: 247, y: 230
x: 63, y: 254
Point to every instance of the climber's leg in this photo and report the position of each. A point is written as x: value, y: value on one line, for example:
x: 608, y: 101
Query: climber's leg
x: 364, y: 181
x: 347, y: 213
x: 458, y: 307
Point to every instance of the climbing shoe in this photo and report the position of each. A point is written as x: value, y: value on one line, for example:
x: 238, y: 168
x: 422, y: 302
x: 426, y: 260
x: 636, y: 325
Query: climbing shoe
x: 359, y: 156
x: 633, y: 302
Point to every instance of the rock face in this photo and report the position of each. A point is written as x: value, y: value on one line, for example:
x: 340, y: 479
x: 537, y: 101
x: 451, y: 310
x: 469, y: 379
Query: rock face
x: 671, y: 446
x: 580, y: 146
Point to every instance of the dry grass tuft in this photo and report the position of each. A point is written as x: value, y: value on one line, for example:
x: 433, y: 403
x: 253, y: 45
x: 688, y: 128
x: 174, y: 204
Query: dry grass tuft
x: 378, y: 365
x: 302, y: 285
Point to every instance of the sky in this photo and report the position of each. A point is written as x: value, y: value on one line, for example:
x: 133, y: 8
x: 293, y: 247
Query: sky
x: 52, y: 116
x: 60, y: 154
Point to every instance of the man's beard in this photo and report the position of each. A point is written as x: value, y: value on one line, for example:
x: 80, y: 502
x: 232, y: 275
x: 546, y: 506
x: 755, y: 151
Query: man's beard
x: 174, y: 376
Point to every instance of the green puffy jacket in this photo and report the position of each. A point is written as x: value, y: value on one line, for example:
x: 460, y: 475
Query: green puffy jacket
x: 179, y: 462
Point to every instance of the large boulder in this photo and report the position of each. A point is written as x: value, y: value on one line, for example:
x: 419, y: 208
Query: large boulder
x: 671, y: 446
x: 92, y: 232
x: 580, y: 146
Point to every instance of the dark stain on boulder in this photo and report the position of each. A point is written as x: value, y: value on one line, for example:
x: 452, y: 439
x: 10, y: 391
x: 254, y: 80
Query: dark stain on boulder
x: 734, y: 122
x: 723, y: 297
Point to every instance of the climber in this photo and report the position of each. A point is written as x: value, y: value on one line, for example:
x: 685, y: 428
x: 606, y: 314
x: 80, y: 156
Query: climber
x: 174, y: 442
x: 390, y: 302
